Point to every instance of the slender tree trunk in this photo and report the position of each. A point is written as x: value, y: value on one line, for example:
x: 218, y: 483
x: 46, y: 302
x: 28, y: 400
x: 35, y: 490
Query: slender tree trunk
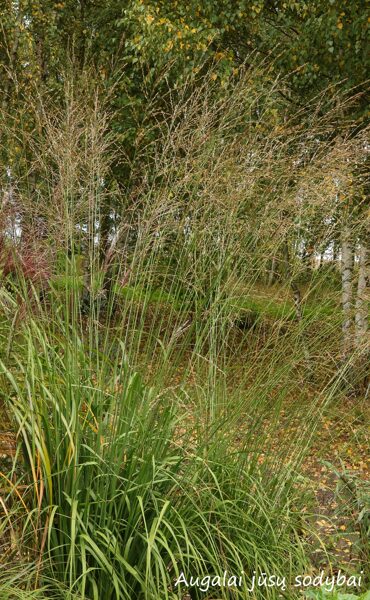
x: 297, y: 298
x: 272, y: 272
x: 12, y: 54
x: 361, y: 312
x: 307, y: 257
x: 347, y: 288
x: 335, y: 251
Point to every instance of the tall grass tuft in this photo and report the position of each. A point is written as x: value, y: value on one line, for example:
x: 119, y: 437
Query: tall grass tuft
x: 122, y: 504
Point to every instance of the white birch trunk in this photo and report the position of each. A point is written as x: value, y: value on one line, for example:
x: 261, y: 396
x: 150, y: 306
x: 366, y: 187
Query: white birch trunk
x: 347, y: 285
x: 361, y: 313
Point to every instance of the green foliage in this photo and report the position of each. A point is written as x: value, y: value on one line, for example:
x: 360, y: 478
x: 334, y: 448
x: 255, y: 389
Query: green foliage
x: 139, y: 52
x: 336, y: 595
x: 124, y: 507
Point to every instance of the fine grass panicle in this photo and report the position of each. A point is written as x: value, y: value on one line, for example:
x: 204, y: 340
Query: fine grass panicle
x: 149, y: 364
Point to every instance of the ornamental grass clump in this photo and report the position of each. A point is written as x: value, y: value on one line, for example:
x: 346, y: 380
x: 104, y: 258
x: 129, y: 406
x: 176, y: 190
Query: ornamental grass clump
x: 146, y: 424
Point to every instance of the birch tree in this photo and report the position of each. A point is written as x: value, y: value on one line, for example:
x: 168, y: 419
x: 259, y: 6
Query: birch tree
x: 347, y: 287
x: 362, y: 300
